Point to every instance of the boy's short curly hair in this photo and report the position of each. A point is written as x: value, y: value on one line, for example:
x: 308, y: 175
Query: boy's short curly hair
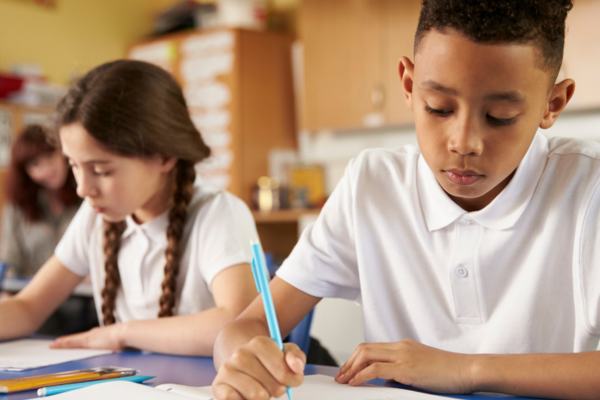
x: 539, y: 22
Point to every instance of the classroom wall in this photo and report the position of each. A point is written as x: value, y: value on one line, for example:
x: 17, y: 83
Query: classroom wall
x: 73, y: 37
x: 78, y: 34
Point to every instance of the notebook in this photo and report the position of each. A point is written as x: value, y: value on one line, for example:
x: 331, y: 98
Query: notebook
x: 315, y: 387
x: 20, y: 355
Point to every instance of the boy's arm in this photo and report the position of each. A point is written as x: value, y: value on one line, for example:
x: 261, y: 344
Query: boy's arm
x: 560, y: 376
x: 31, y: 306
x: 248, y: 361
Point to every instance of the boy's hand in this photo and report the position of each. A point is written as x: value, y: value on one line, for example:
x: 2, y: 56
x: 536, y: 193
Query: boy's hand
x: 259, y: 370
x: 410, y: 363
x: 109, y: 338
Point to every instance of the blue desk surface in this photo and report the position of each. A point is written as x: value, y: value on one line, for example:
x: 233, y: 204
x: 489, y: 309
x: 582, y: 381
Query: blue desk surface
x: 192, y: 371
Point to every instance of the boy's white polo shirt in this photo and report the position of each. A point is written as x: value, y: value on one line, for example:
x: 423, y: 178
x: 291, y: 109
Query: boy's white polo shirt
x: 521, y: 275
x: 216, y: 235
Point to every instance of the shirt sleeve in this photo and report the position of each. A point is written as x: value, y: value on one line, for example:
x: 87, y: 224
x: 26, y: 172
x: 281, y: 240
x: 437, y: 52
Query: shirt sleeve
x: 12, y: 247
x: 74, y: 247
x: 226, y: 227
x: 589, y: 262
x: 324, y: 262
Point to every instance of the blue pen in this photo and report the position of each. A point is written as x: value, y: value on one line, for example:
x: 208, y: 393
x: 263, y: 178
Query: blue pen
x: 259, y: 270
x: 49, y: 391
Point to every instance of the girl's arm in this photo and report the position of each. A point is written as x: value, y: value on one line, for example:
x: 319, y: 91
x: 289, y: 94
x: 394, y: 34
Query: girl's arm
x: 560, y: 376
x: 233, y: 289
x: 22, y: 314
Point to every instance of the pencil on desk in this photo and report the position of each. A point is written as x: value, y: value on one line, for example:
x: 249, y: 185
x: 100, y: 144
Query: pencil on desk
x: 49, y: 391
x: 61, y: 378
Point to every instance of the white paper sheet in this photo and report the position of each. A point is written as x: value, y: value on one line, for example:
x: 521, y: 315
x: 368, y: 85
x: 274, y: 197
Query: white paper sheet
x: 23, y: 354
x: 118, y: 391
x: 315, y: 387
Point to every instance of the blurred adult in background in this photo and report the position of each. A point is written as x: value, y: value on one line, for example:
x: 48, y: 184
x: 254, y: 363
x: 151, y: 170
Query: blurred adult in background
x: 40, y: 202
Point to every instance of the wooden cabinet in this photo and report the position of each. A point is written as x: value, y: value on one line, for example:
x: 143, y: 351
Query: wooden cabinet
x: 351, y: 53
x: 582, y: 54
x: 238, y: 87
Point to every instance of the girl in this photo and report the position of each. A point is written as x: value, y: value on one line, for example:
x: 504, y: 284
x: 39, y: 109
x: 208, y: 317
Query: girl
x: 155, y: 243
x: 41, y: 202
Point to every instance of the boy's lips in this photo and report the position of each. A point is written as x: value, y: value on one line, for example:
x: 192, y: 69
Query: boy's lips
x: 463, y: 178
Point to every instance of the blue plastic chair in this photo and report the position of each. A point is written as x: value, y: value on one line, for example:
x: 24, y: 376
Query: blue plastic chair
x: 300, y: 336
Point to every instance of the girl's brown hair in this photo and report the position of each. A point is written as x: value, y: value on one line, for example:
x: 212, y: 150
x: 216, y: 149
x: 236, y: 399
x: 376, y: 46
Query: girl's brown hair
x: 21, y: 190
x: 136, y: 109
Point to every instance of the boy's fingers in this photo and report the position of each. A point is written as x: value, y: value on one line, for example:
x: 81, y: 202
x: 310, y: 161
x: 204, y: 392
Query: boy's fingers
x: 246, y: 362
x: 364, y: 355
x: 348, y: 364
x: 225, y: 392
x: 374, y: 371
x: 243, y: 385
x: 294, y: 357
x: 272, y: 358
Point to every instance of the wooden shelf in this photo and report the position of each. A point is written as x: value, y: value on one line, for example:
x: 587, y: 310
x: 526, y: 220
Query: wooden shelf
x: 282, y: 216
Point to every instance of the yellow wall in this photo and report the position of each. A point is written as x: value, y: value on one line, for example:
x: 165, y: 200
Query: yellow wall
x: 78, y: 34
x: 75, y: 36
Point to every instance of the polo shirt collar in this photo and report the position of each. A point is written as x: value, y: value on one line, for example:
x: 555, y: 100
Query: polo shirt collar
x: 503, y: 212
x: 155, y: 229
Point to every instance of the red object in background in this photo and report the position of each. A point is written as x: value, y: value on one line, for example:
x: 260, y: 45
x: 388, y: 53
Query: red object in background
x: 9, y: 84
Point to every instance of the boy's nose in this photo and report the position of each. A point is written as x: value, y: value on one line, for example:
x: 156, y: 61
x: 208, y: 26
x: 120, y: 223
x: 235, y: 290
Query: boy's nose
x: 465, y: 140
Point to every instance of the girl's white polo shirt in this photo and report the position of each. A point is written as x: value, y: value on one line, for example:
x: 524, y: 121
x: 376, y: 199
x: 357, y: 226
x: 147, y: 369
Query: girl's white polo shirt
x: 216, y: 235
x: 521, y: 275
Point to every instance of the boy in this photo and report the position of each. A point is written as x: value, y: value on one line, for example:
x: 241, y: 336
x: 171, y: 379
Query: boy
x: 477, y: 256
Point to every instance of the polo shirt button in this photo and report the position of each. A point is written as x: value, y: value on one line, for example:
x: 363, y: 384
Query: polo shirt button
x: 461, y: 271
x: 464, y: 221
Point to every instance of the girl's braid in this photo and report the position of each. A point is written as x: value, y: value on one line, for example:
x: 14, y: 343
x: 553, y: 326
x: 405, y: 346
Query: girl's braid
x: 112, y: 242
x: 184, y: 191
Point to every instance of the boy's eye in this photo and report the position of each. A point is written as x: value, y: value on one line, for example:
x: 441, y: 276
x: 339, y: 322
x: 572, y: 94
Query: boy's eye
x: 101, y: 173
x: 439, y: 113
x: 501, y: 121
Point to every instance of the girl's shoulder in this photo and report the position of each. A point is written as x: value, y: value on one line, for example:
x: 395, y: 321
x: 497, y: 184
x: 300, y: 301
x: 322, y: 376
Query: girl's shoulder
x: 210, y: 202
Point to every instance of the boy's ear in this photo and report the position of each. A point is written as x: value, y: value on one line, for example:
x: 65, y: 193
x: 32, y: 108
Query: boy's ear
x: 406, y: 71
x: 559, y: 96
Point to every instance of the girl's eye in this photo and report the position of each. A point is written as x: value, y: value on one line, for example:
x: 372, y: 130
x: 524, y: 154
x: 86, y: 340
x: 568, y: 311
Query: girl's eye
x: 438, y: 113
x: 101, y: 173
x: 501, y: 121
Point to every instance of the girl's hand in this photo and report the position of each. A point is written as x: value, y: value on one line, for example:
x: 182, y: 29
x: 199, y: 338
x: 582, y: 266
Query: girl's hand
x: 106, y: 338
x: 259, y: 370
x: 410, y: 363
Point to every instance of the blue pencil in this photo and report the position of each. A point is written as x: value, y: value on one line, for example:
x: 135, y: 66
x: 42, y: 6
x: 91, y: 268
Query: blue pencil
x: 259, y: 269
x: 49, y: 391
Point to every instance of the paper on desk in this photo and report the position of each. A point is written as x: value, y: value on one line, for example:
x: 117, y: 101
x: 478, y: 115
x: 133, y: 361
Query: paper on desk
x: 23, y: 354
x: 318, y: 387
x: 315, y: 387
